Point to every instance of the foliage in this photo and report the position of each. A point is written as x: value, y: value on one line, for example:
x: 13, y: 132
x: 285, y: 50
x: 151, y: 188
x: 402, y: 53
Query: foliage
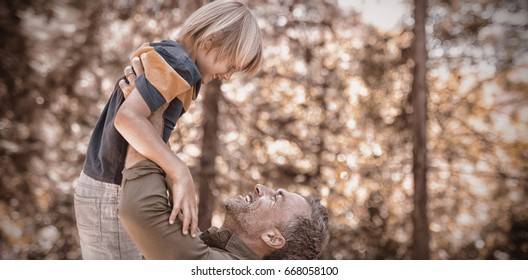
x: 329, y: 114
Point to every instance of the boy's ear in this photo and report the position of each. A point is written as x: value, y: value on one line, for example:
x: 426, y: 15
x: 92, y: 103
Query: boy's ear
x: 273, y: 238
x: 210, y: 41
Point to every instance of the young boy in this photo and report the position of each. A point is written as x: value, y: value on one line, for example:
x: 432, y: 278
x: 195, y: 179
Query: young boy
x: 217, y: 40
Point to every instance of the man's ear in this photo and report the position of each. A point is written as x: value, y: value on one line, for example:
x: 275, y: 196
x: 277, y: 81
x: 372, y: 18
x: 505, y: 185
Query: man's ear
x: 273, y: 238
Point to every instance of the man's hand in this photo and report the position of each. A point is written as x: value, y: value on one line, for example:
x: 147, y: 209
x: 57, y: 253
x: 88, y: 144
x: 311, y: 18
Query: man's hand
x: 179, y: 179
x: 131, y: 73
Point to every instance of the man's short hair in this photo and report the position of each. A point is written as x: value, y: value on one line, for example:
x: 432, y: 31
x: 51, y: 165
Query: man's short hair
x: 305, y: 237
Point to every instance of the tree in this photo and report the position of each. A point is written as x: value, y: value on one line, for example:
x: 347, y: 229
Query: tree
x: 419, y: 128
x: 207, y: 171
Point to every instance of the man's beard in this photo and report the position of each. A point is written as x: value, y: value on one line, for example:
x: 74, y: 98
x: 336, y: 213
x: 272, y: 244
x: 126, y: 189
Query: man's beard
x: 238, y: 217
x: 236, y: 208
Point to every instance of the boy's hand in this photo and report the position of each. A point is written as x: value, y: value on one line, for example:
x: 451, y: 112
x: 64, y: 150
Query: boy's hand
x: 181, y: 191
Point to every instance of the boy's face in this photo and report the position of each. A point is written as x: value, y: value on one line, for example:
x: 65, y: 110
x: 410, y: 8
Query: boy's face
x: 211, y: 69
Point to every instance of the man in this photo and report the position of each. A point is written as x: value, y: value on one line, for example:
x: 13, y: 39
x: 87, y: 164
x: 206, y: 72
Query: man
x: 264, y: 224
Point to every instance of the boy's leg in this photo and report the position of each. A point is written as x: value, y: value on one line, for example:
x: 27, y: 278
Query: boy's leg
x: 101, y: 233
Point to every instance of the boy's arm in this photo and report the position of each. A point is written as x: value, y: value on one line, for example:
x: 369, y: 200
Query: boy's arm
x: 133, y: 124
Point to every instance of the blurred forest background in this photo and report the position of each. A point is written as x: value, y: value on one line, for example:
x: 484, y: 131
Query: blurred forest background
x: 332, y: 113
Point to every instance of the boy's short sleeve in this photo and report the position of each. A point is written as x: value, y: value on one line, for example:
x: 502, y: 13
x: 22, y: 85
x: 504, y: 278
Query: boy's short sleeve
x: 168, y: 73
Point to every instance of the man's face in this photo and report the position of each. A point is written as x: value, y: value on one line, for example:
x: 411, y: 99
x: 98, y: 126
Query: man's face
x: 262, y: 209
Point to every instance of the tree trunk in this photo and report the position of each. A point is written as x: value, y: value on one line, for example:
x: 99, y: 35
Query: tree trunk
x: 206, y: 177
x: 419, y: 104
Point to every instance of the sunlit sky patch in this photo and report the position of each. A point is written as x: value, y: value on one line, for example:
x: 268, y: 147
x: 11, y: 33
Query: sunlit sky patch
x: 384, y: 14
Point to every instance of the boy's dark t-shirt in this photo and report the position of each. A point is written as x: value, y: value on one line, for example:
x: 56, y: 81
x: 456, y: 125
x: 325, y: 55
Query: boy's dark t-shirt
x: 170, y: 76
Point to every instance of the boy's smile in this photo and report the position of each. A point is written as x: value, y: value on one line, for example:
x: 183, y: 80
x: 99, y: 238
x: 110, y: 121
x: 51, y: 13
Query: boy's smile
x: 210, y: 68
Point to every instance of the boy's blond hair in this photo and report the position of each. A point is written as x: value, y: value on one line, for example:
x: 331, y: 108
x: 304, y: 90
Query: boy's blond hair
x: 234, y: 29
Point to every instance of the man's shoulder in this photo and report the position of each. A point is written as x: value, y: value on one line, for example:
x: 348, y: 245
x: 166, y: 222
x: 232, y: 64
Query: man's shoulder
x: 222, y: 254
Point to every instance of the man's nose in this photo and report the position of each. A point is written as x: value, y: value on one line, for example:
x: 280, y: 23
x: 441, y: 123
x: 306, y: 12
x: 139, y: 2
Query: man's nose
x: 262, y: 190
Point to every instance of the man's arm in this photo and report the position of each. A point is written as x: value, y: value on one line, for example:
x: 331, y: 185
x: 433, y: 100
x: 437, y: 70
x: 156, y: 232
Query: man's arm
x: 133, y: 124
x: 144, y: 211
